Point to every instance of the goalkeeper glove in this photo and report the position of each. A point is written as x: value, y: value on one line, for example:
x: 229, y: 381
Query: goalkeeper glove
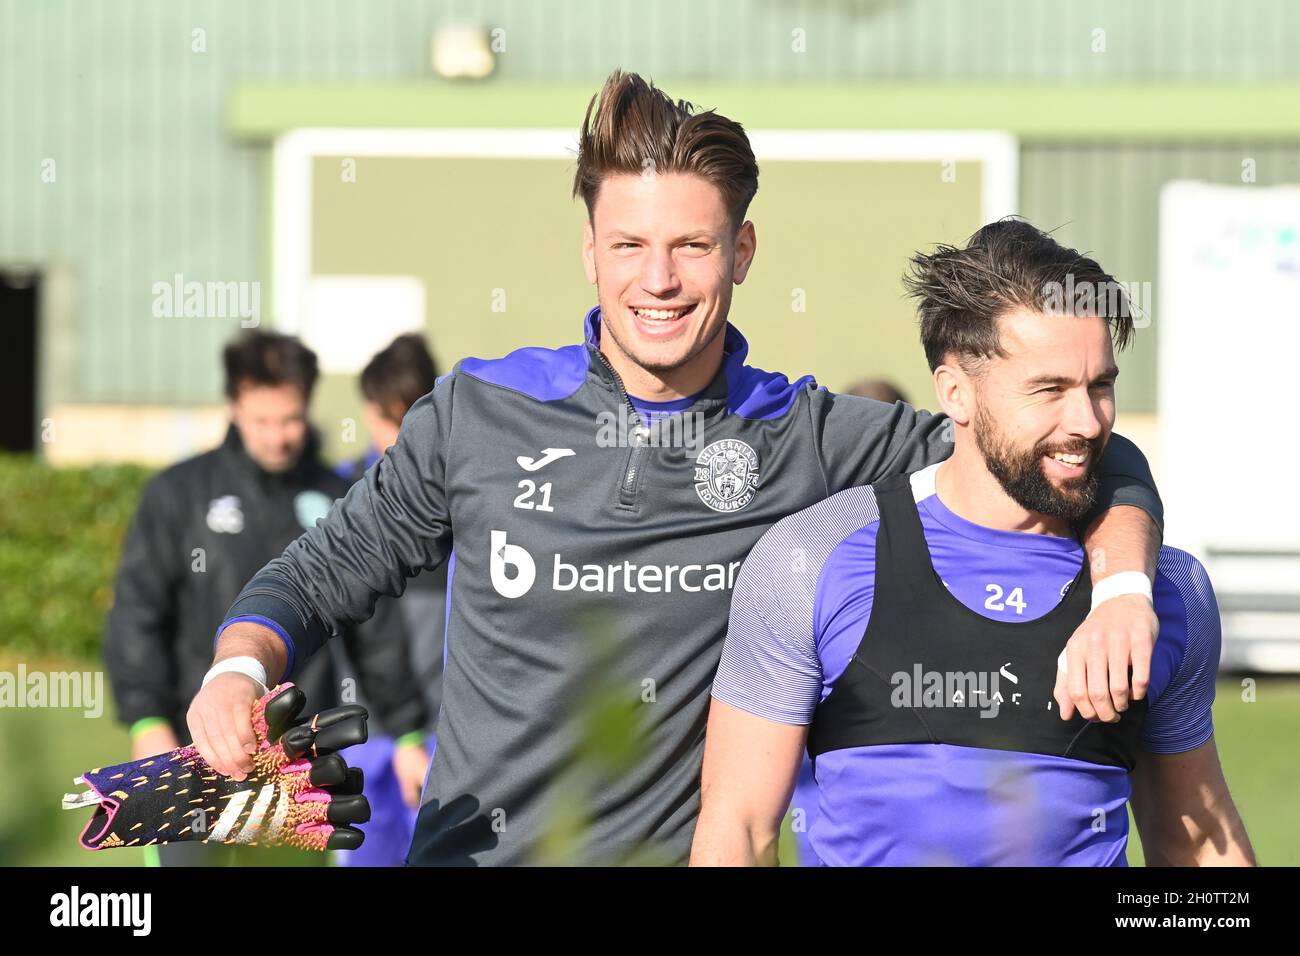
x: 300, y: 793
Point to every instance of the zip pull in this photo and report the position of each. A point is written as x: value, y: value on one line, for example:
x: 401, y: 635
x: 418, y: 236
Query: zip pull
x: 639, y: 434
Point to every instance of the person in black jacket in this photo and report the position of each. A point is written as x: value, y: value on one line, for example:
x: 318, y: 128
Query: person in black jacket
x: 203, y: 527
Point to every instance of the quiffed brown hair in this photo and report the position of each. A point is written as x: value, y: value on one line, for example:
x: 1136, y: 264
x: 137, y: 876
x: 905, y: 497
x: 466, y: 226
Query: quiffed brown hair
x: 1006, y: 264
x: 400, y: 375
x: 632, y: 126
x: 268, y: 358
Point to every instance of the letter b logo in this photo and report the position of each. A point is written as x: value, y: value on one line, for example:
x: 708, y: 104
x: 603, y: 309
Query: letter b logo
x: 507, y: 556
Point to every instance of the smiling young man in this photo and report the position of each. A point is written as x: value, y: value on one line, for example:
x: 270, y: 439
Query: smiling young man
x: 912, y: 647
x: 567, y: 548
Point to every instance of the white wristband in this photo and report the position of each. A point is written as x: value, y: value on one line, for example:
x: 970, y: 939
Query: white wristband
x: 1120, y: 583
x: 248, y: 666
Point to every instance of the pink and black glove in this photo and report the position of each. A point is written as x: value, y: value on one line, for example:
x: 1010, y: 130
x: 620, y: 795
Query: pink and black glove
x: 300, y: 793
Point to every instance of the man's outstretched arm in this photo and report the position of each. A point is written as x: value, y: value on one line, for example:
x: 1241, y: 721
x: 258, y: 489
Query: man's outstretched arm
x: 1181, y: 803
x: 750, y: 767
x: 392, y: 523
x: 1120, y: 537
x: 1120, y: 633
x: 1184, y: 812
x: 754, y: 741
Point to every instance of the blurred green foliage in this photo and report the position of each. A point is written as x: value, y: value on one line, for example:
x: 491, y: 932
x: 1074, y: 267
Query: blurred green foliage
x: 61, y: 532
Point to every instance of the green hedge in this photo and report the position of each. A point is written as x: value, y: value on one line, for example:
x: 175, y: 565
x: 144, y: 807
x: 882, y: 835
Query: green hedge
x: 61, y: 532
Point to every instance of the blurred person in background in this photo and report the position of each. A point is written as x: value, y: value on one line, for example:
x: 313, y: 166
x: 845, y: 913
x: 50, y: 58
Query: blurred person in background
x: 202, y: 527
x: 395, y: 768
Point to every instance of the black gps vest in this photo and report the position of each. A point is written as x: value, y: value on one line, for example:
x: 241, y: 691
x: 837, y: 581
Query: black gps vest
x: 931, y: 670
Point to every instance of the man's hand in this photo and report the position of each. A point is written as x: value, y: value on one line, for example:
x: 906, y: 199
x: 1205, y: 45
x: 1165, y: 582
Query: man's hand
x: 221, y: 723
x: 220, y: 716
x: 1119, y: 634
x: 411, y: 765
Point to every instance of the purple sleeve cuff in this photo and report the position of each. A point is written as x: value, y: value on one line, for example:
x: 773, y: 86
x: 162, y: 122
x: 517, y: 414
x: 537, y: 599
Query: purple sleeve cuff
x: 265, y: 622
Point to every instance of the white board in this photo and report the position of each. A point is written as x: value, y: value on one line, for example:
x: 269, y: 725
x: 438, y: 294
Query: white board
x: 347, y: 319
x: 1228, y: 316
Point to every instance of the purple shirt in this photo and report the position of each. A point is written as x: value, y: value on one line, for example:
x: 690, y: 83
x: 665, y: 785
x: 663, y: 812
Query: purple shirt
x: 651, y: 412
x: 799, y: 611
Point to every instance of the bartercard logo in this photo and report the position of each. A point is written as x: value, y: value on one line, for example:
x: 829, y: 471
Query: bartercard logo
x: 513, y: 572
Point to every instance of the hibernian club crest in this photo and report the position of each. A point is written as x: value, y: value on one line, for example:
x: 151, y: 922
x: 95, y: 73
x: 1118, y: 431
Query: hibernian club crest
x: 726, y: 475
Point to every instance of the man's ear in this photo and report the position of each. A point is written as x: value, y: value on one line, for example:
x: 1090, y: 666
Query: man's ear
x: 956, y: 392
x: 746, y: 246
x: 589, y: 250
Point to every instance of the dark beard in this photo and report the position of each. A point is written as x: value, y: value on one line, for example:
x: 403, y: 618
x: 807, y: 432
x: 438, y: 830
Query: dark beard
x: 1021, y: 475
